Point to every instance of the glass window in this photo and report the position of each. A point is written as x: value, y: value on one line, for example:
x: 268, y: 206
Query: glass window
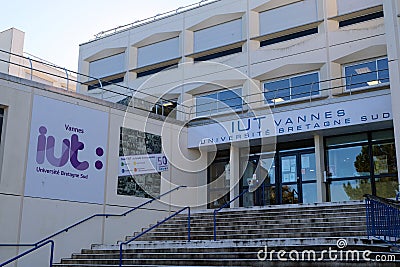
x: 219, y: 182
x: 367, y: 74
x: 349, y: 189
x: 346, y: 139
x: 277, y: 91
x: 291, y: 88
x: 309, y: 192
x: 349, y: 162
x: 223, y: 101
x: 383, y: 135
x: 166, y: 107
x: 267, y: 166
x: 308, y: 167
x: 387, y: 187
x: 384, y: 156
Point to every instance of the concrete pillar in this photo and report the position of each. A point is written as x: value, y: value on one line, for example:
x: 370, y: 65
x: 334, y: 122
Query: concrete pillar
x: 320, y: 165
x: 392, y: 27
x: 234, y: 174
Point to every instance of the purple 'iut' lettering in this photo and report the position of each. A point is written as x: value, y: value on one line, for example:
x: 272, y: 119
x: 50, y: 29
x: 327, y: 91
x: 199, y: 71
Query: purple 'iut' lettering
x: 76, y: 145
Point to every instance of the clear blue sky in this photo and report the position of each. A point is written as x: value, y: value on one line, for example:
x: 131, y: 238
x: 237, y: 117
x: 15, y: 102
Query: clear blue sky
x: 54, y: 29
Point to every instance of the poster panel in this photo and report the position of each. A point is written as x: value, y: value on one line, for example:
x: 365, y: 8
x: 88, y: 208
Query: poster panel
x: 67, y: 152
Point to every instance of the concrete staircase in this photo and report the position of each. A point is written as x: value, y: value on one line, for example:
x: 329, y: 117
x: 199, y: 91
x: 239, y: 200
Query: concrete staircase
x: 244, y: 235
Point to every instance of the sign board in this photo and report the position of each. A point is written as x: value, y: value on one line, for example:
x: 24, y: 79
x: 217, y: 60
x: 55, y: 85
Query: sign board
x: 67, y: 152
x: 142, y: 164
x: 316, y: 118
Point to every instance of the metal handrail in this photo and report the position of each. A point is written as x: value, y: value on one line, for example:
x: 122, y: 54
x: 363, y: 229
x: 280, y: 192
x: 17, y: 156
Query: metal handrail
x: 35, y: 247
x: 153, y: 227
x: 383, y: 219
x: 151, y: 19
x: 46, y: 239
x: 224, y: 206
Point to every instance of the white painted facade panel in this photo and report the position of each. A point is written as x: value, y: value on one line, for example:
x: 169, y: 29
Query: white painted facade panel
x: 107, y: 66
x: 289, y: 16
x: 346, y: 6
x: 158, y: 52
x: 217, y: 36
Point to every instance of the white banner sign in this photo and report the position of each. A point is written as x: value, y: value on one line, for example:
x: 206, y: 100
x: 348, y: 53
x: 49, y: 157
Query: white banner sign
x: 327, y: 116
x: 142, y: 164
x: 67, y: 153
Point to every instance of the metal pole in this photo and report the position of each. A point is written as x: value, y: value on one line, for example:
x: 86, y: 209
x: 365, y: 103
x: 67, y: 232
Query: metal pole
x: 30, y: 63
x: 120, y: 255
x: 188, y: 224
x: 215, y: 225
x: 102, y: 90
x: 66, y: 72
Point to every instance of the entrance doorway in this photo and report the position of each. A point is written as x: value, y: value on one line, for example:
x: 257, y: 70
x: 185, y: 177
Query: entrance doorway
x: 285, y: 178
x: 298, y: 180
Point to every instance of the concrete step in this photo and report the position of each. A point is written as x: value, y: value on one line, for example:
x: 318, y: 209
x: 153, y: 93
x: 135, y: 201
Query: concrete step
x: 277, y: 217
x: 246, y: 230
x: 209, y: 236
x: 268, y: 227
x: 230, y: 256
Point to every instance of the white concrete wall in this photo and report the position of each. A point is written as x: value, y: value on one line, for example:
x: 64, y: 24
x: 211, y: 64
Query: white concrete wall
x: 29, y: 219
x: 12, y: 42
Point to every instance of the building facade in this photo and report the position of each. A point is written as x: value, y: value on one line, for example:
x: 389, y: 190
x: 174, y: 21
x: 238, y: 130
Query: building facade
x: 15, y: 61
x: 293, y: 100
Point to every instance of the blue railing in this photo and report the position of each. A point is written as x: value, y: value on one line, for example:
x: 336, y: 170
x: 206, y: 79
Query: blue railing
x: 153, y: 227
x: 224, y: 206
x: 47, y: 240
x: 383, y: 219
x: 35, y: 247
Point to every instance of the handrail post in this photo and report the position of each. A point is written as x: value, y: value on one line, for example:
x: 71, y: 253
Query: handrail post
x: 30, y: 63
x: 35, y: 247
x: 102, y: 90
x: 351, y: 80
x: 215, y: 225
x: 149, y: 229
x: 66, y: 72
x: 51, y: 253
x: 188, y: 224
x: 224, y: 206
x: 120, y: 254
x: 48, y: 239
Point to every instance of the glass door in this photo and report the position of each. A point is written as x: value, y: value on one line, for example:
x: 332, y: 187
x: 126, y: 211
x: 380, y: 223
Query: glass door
x: 259, y: 178
x: 298, y: 182
x: 289, y: 180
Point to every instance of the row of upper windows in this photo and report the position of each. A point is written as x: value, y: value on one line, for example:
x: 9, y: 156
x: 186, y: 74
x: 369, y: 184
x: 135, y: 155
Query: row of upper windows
x: 209, y: 43
x: 362, y: 75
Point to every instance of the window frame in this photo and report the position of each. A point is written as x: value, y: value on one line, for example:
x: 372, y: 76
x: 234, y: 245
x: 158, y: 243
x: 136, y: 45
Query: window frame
x: 266, y: 101
x: 218, y: 110
x: 352, y: 64
x: 370, y: 143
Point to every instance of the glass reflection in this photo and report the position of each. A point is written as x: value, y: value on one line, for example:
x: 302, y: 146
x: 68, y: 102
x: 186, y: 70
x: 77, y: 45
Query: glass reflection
x: 349, y: 162
x: 387, y: 187
x: 290, y: 194
x: 350, y: 189
x: 309, y: 192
